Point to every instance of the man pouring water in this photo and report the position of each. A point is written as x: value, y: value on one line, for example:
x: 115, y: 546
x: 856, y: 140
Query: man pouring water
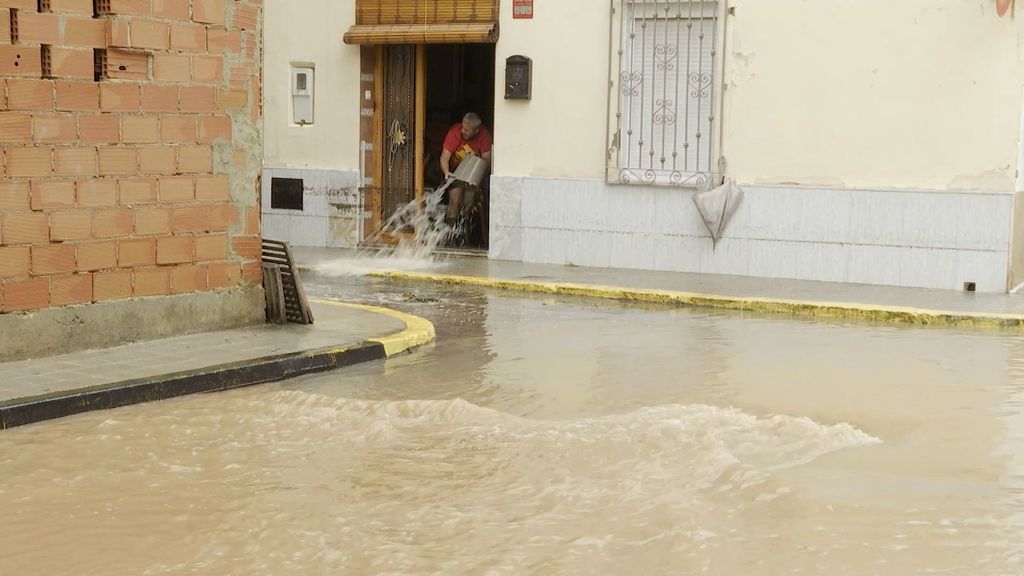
x: 468, y: 138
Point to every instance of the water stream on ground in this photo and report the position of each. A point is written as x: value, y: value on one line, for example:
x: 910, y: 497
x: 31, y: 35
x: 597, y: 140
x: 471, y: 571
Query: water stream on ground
x: 553, y: 436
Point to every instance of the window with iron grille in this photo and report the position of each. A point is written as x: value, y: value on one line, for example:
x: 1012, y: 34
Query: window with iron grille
x: 665, y: 92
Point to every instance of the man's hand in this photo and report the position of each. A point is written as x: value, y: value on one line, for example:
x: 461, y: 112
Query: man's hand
x: 448, y: 176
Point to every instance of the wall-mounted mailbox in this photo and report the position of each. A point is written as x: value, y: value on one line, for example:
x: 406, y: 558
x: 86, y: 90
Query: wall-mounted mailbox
x: 518, y: 77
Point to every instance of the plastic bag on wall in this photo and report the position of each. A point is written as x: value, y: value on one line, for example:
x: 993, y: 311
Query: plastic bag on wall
x: 717, y: 206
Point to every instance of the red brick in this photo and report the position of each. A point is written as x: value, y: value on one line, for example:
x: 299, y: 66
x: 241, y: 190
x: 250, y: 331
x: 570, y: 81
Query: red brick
x: 124, y: 65
x: 117, y: 32
x: 245, y: 17
x: 252, y: 221
x: 117, y: 161
x: 20, y: 60
x: 140, y: 129
x: 171, y: 9
x: 152, y: 221
x: 85, y: 32
x: 67, y: 290
x: 224, y: 274
x: 224, y: 41
x: 97, y: 256
x: 26, y: 228
x: 246, y: 247
x: 52, y: 194
x: 78, y: 96
x: 14, y: 261
x: 160, y: 160
x: 209, y: 12
x: 137, y: 191
x: 212, y: 247
x: 74, y: 161
x: 252, y: 272
x: 70, y: 225
x: 132, y: 7
x: 30, y: 94
x: 150, y: 35
x: 111, y: 286
x: 83, y: 7
x: 55, y: 129
x: 37, y: 28
x: 171, y: 68
x: 137, y: 252
x: 174, y: 250
x: 188, y: 37
x: 178, y: 129
x: 177, y: 189
x: 159, y: 98
x: 222, y: 216
x: 98, y: 129
x: 97, y: 193
x: 15, y: 128
x: 209, y: 69
x: 112, y: 223
x: 152, y: 282
x: 190, y: 219
x: 29, y: 162
x: 231, y: 100
x: 120, y: 97
x: 53, y: 259
x: 14, y: 195
x: 197, y: 99
x: 212, y: 188
x: 195, y: 159
x: 26, y: 295
x: 5, y: 26
x: 185, y: 279
x: 71, y: 63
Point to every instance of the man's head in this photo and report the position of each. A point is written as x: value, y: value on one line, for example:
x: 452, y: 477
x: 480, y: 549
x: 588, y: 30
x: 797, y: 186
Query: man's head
x: 471, y: 123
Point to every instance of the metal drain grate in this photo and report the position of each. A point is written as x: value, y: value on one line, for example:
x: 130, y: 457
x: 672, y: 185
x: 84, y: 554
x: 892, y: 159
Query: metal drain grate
x: 286, y: 300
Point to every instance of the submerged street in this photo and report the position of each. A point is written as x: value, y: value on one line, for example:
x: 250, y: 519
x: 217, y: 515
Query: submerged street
x: 549, y: 435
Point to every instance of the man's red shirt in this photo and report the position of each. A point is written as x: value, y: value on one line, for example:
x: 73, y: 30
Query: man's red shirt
x: 460, y: 148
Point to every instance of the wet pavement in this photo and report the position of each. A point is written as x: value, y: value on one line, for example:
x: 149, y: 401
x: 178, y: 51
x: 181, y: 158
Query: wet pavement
x: 341, y: 262
x: 552, y: 435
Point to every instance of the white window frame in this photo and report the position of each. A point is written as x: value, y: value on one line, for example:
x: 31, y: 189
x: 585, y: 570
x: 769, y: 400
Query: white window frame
x: 623, y: 160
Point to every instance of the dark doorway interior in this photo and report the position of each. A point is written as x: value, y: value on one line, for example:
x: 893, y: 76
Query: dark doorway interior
x: 460, y: 79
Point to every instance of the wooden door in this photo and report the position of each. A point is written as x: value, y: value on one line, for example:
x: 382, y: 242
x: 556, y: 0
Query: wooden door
x: 399, y: 128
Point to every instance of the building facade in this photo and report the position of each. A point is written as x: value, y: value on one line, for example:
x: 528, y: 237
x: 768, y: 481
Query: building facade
x: 131, y: 140
x: 876, y: 142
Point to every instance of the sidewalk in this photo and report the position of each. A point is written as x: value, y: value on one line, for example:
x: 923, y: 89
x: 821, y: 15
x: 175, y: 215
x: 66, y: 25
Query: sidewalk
x: 881, y: 303
x: 343, y: 334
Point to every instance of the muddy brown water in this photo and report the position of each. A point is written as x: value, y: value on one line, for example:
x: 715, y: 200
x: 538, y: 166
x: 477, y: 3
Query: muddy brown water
x: 553, y: 436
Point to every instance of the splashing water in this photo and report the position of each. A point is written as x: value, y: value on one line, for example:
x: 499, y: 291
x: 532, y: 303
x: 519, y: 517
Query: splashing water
x: 419, y: 227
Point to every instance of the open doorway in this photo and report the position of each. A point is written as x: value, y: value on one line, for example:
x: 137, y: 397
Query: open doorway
x: 459, y: 79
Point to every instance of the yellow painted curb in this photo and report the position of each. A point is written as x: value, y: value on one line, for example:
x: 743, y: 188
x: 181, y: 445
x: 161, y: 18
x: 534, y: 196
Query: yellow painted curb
x: 418, y: 331
x: 848, y: 310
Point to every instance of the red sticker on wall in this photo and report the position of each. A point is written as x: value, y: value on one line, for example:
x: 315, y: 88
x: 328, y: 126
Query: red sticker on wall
x: 522, y: 9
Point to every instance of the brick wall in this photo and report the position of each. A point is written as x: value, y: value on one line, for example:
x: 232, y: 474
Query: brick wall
x: 129, y: 148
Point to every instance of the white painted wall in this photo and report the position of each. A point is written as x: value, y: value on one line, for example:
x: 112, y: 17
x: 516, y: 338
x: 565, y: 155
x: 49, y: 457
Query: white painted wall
x: 919, y: 94
x: 311, y: 31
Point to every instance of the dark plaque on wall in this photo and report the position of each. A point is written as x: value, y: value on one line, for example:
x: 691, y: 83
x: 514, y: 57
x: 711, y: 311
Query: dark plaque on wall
x: 518, y: 77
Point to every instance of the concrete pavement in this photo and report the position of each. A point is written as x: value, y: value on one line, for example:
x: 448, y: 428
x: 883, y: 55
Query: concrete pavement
x: 869, y: 302
x: 343, y: 334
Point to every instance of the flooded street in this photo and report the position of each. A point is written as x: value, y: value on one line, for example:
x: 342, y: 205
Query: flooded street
x: 545, y: 435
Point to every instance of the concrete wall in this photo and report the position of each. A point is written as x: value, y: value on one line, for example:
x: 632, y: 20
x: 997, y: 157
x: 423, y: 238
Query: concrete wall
x: 141, y: 183
x: 312, y: 36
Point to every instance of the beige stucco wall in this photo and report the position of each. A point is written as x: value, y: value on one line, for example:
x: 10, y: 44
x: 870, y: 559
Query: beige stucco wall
x: 309, y: 32
x: 873, y: 93
x: 922, y: 94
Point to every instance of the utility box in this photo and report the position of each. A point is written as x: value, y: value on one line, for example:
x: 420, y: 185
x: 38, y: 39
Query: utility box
x: 518, y: 78
x: 302, y: 96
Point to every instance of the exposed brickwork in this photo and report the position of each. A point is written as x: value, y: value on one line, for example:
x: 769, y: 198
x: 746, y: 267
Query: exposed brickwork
x: 120, y: 171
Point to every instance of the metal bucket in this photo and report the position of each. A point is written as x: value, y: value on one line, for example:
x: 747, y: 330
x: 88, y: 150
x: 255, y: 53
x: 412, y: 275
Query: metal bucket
x: 472, y: 170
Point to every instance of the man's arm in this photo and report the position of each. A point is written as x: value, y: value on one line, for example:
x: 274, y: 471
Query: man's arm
x: 486, y: 156
x: 446, y: 157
